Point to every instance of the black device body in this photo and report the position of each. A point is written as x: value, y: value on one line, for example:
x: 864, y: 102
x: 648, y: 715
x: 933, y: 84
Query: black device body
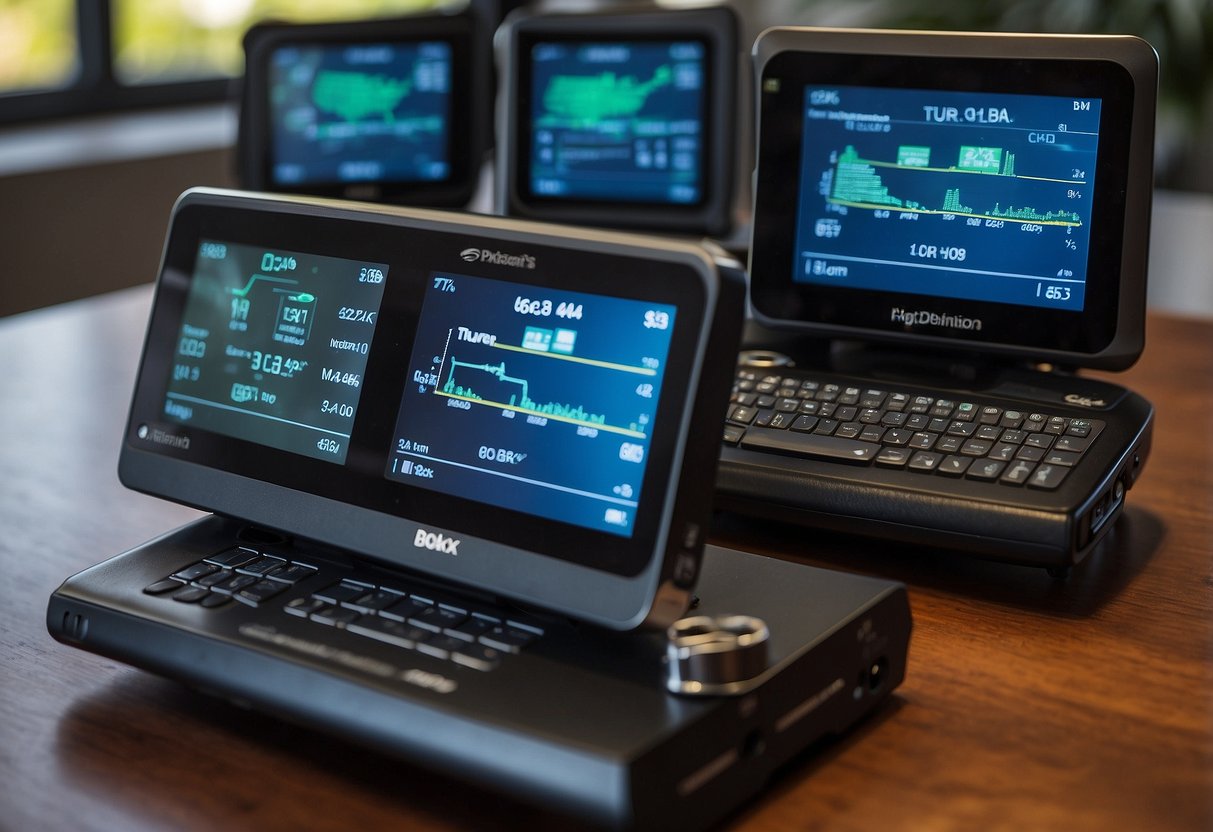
x: 386, y: 110
x: 580, y: 722
x: 605, y: 167
x: 967, y: 216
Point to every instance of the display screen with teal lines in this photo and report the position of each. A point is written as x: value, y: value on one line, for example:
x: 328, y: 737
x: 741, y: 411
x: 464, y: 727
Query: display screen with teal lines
x: 978, y: 196
x: 361, y: 113
x: 273, y: 347
x: 617, y: 121
x: 535, y: 400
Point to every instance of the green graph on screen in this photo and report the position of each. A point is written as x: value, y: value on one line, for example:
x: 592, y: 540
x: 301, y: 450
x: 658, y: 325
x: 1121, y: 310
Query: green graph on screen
x: 857, y: 183
x: 519, y: 400
x: 355, y: 95
x: 591, y: 98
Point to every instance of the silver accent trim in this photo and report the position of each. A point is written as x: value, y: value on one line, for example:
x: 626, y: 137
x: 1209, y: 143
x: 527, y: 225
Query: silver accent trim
x: 716, y: 655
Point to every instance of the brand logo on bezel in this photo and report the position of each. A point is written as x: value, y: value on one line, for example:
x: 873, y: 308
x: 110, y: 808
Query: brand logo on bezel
x: 436, y: 542
x: 163, y: 437
x: 910, y: 318
x: 497, y: 258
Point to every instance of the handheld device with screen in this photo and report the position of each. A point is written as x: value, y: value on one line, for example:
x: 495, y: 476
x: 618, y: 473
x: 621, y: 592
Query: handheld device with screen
x: 936, y: 215
x: 379, y: 110
x: 482, y: 400
x: 619, y: 118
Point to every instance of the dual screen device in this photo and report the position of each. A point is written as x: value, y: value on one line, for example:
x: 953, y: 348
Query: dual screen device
x: 385, y: 110
x: 461, y: 471
x: 468, y: 397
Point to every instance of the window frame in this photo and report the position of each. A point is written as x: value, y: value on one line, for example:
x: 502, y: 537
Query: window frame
x: 95, y: 88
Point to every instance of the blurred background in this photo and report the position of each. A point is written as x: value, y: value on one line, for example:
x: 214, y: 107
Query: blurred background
x: 110, y: 108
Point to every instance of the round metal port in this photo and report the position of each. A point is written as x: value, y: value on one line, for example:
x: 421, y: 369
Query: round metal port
x: 877, y: 673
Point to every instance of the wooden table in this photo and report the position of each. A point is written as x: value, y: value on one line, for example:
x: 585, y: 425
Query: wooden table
x: 1029, y: 704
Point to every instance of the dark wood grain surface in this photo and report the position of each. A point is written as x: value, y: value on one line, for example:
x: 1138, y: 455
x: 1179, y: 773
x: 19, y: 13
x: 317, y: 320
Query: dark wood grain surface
x: 1030, y: 703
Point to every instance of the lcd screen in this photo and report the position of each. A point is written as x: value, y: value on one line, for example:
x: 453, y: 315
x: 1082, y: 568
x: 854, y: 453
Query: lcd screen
x: 361, y: 112
x: 273, y: 346
x: 974, y: 196
x: 618, y: 120
x: 536, y: 400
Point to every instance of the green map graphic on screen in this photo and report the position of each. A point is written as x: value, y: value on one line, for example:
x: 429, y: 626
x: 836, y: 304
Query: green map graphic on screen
x: 591, y: 98
x: 356, y: 95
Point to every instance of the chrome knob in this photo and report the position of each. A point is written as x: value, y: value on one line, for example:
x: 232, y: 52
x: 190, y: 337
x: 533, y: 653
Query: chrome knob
x: 715, y: 655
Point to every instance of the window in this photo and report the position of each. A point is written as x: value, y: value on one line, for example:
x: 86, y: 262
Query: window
x: 38, y: 46
x: 157, y: 41
x: 72, y: 57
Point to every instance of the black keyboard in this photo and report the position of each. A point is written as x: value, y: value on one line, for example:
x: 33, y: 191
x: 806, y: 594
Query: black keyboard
x: 439, y: 625
x: 795, y: 414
